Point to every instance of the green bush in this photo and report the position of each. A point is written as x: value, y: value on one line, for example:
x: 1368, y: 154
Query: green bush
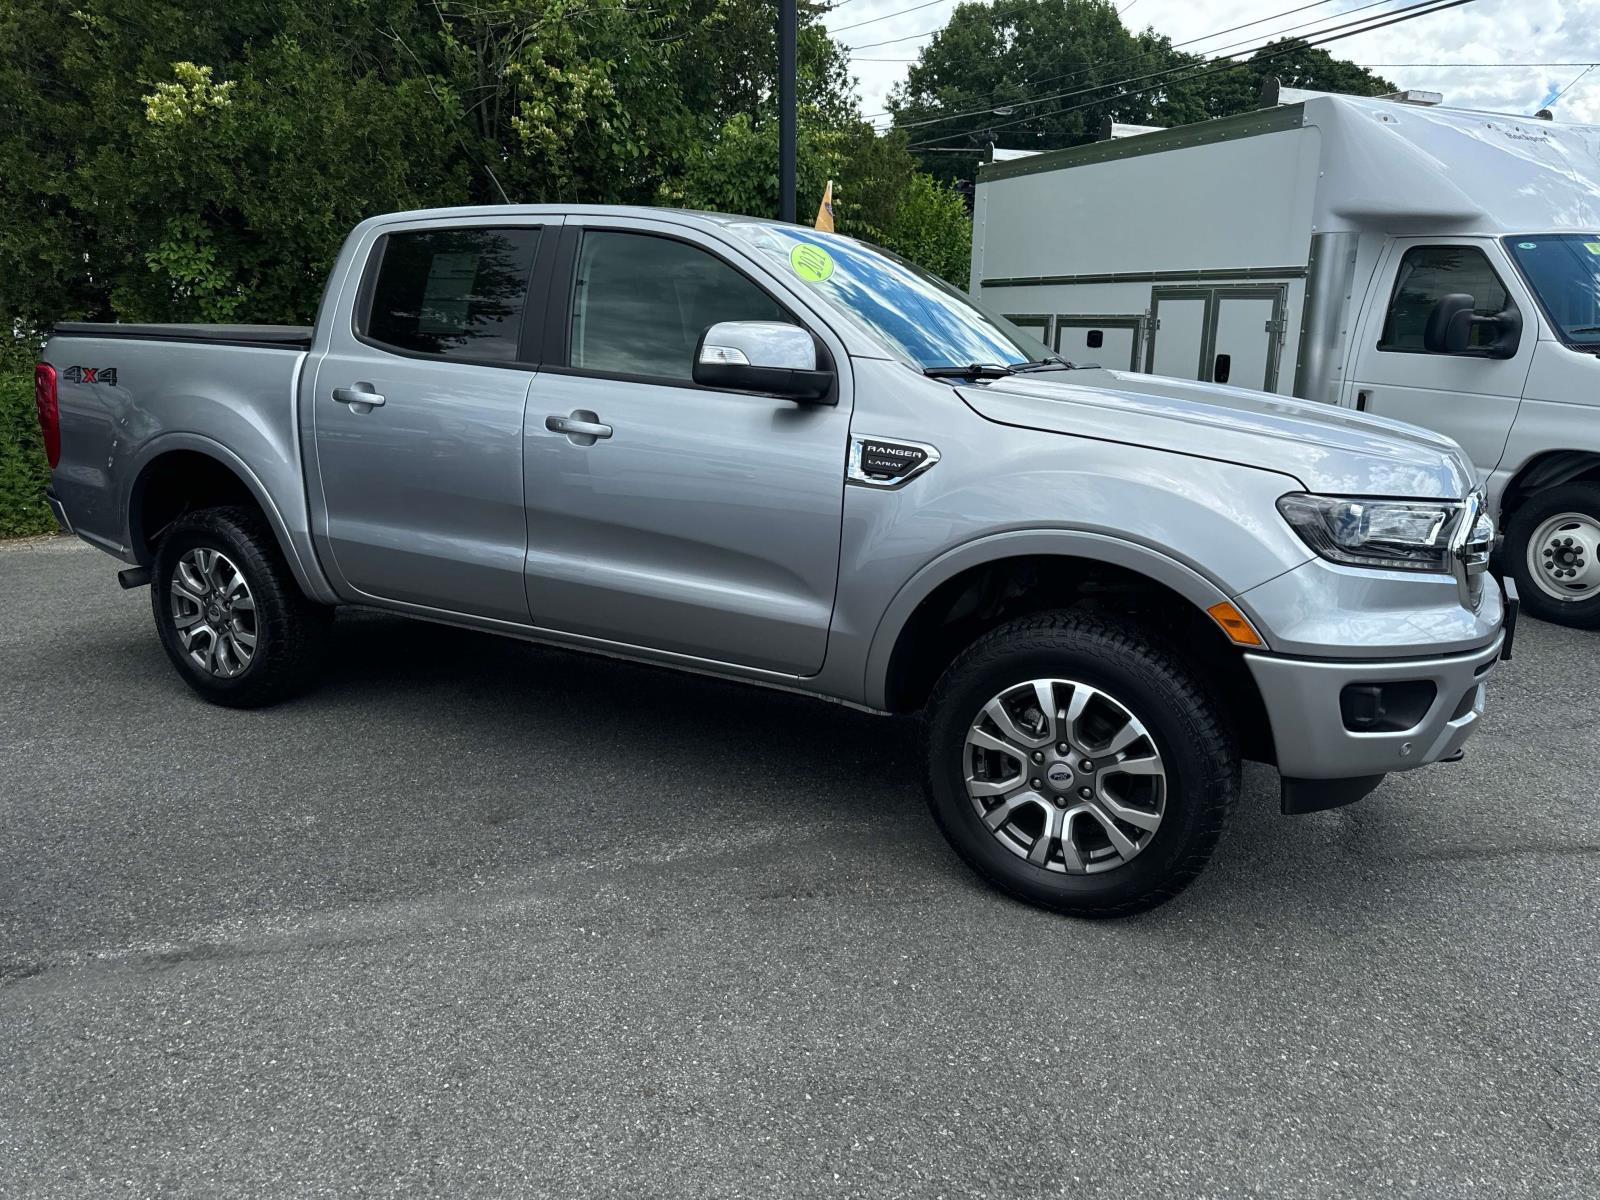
x: 23, y: 472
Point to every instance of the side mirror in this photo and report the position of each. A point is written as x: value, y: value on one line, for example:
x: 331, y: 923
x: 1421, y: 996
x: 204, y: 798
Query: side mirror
x: 1450, y: 325
x: 770, y: 357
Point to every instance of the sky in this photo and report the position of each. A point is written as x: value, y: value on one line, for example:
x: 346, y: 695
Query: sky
x: 1477, y: 33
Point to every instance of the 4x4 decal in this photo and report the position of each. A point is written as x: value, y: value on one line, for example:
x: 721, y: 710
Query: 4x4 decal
x: 105, y: 375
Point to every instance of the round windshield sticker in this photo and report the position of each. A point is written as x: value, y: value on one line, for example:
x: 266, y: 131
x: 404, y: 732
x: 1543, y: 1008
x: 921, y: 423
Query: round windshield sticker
x: 811, y: 263
x: 1527, y: 245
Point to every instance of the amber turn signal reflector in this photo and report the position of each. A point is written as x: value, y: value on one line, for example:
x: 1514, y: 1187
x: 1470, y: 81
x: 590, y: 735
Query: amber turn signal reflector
x: 1235, y: 625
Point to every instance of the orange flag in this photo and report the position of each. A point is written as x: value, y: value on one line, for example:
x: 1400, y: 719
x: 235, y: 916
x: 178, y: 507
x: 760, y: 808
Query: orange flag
x: 825, y: 209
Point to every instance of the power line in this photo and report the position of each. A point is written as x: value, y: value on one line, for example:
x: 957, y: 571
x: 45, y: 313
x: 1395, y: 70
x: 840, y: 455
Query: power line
x: 1276, y: 35
x: 908, y: 38
x: 898, y: 13
x: 1402, y: 15
x: 1080, y: 73
x: 1216, y: 68
x: 1567, y: 89
x: 1467, y: 64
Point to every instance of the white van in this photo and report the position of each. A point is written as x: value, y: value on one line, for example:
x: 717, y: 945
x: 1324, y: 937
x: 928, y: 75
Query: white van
x: 1434, y: 265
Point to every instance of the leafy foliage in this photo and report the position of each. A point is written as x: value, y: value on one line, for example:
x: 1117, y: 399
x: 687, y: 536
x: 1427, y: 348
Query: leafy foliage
x: 1045, y: 74
x: 166, y: 161
x: 23, y: 473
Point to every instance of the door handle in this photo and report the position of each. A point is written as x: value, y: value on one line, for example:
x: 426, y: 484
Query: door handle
x: 582, y: 427
x: 361, y: 397
x: 1361, y: 400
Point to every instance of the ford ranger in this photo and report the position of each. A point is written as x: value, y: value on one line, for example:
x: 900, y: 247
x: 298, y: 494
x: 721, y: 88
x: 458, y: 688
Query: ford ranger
x: 782, y: 456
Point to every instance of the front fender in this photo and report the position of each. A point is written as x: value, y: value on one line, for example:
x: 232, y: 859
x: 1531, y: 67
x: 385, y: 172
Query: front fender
x: 1059, y: 543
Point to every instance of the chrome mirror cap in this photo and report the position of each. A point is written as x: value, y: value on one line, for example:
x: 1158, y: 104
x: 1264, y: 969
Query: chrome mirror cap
x: 768, y: 358
x: 775, y: 344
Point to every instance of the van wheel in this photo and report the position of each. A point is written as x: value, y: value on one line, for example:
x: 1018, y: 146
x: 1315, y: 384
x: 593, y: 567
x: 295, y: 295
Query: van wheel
x: 231, y: 616
x: 1077, y: 765
x: 1553, y: 549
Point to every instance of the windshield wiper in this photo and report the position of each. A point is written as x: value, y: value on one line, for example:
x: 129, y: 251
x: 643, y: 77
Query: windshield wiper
x: 998, y: 370
x: 1585, y: 329
x: 1054, y: 363
x: 971, y: 371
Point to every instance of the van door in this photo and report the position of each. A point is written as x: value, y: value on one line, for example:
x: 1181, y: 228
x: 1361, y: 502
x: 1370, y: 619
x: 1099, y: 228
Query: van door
x: 417, y: 412
x: 1245, y: 332
x: 1179, y: 319
x: 1110, y: 341
x: 1217, y: 334
x: 1468, y: 396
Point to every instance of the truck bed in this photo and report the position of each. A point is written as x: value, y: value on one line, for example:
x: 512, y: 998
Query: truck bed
x: 284, y: 337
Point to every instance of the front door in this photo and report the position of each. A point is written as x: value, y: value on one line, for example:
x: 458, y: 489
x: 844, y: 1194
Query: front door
x: 693, y: 521
x: 1467, y: 396
x: 417, y: 410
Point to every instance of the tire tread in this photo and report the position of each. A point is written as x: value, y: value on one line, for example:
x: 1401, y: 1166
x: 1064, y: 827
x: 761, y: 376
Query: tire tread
x: 1163, y: 665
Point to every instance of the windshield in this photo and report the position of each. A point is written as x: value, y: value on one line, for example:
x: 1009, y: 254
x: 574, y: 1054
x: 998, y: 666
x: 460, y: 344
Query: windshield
x: 930, y: 322
x: 1563, y: 269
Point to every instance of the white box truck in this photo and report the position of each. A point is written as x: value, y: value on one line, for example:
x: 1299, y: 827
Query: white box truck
x: 1438, y: 266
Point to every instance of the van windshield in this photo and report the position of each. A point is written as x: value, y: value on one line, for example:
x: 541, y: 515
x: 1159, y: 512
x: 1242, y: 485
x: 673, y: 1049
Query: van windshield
x: 930, y: 322
x: 1563, y: 269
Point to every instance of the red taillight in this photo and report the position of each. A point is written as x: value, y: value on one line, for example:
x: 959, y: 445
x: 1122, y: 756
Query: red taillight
x: 44, y: 399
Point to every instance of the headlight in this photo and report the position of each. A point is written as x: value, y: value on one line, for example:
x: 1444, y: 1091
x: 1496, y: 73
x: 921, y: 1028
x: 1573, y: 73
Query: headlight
x: 1396, y: 535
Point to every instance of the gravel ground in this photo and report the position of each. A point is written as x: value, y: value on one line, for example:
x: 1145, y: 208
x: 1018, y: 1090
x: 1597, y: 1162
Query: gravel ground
x: 480, y: 918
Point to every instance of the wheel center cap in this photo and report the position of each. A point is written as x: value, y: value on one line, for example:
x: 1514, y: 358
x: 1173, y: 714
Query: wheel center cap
x: 1061, y: 776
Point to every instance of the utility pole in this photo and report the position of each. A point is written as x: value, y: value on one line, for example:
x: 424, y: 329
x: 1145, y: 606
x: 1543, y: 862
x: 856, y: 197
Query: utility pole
x: 787, y: 37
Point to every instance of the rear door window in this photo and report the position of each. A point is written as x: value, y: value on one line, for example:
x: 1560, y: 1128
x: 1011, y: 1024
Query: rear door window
x: 452, y: 293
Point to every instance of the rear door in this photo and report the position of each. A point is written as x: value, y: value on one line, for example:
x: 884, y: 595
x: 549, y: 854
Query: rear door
x: 1467, y: 396
x: 702, y: 522
x: 422, y: 486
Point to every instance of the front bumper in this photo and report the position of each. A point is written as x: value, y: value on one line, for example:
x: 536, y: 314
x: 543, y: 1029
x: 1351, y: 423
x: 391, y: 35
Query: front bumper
x: 1308, y: 725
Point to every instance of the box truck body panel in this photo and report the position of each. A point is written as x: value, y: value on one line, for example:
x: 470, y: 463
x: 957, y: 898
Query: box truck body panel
x: 1439, y: 267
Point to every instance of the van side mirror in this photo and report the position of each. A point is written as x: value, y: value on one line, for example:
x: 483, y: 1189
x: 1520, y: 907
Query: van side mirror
x: 1450, y: 325
x: 773, y: 358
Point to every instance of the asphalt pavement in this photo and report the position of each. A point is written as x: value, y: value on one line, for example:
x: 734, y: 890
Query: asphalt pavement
x: 481, y: 918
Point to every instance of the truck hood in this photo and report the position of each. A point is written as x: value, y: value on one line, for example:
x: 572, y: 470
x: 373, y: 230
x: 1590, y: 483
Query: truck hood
x: 1334, y: 451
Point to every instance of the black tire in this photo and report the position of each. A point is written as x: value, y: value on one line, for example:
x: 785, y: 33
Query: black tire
x: 1152, y: 683
x: 291, y: 632
x: 1582, y: 498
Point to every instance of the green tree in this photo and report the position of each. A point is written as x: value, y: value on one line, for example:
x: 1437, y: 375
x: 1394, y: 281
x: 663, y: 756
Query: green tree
x: 988, y: 59
x: 1045, y: 74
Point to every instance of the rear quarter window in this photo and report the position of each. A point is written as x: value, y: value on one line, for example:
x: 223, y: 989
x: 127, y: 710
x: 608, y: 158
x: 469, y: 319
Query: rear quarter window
x: 453, y: 293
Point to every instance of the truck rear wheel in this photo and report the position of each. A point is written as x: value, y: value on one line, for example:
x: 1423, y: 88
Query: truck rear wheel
x: 231, y: 617
x: 1077, y: 765
x: 1553, y: 550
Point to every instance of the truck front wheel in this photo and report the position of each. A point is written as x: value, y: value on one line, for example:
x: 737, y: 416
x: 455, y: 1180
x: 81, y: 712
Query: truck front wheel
x: 1078, y: 765
x: 231, y: 617
x: 1553, y: 550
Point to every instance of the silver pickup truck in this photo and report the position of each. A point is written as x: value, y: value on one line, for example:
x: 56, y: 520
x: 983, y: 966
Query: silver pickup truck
x: 782, y: 456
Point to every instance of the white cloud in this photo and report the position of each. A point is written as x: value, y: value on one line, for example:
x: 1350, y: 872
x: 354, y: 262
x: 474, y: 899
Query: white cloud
x: 1486, y: 31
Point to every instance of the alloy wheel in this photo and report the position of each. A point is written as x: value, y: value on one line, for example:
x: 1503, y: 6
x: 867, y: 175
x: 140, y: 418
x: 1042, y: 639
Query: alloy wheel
x: 1064, y: 775
x: 213, y: 612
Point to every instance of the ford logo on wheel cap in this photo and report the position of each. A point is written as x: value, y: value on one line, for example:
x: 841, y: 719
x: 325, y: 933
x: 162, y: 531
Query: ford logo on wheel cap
x: 1059, y: 775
